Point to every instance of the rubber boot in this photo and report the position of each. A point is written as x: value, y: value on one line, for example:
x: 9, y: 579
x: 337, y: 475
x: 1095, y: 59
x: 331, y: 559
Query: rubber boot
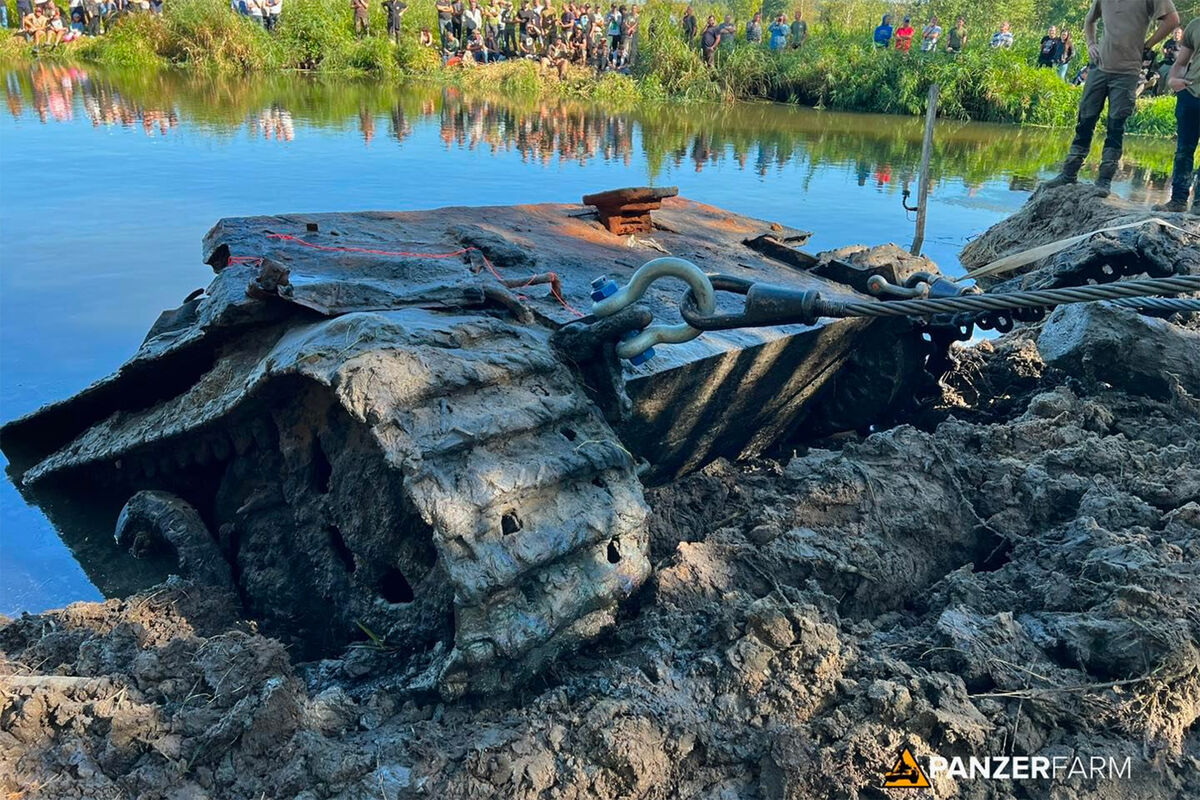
x: 1109, y: 160
x: 1069, y: 174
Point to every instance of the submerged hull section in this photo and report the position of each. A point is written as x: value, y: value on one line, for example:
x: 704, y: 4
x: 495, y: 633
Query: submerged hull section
x: 365, y: 413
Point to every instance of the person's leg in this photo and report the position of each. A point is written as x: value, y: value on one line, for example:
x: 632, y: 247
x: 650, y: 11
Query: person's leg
x: 1122, y: 94
x: 1187, y: 128
x: 1095, y: 91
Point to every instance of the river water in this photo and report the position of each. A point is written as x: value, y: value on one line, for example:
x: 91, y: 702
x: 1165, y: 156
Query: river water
x: 109, y: 181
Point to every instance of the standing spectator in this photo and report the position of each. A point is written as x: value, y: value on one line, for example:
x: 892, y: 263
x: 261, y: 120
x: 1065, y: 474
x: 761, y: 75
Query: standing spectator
x: 779, y: 33
x: 255, y: 9
x: 1066, y: 54
x: 632, y: 24
x: 883, y: 32
x: 1118, y: 61
x: 473, y: 20
x: 689, y: 26
x: 709, y: 41
x: 1184, y: 79
x: 394, y: 9
x: 613, y: 22
x: 549, y: 24
x: 754, y: 31
x: 273, y: 9
x: 1003, y: 38
x: 524, y: 19
x: 361, y: 20
x: 508, y: 23
x: 456, y: 19
x: 930, y: 35
x: 92, y: 15
x: 566, y: 23
x: 491, y: 27
x: 904, y: 36
x: 1049, y: 49
x: 533, y: 29
x: 445, y: 20
x: 1170, y: 52
x: 24, y: 9
x: 956, y: 40
x: 799, y: 31
x: 728, y: 31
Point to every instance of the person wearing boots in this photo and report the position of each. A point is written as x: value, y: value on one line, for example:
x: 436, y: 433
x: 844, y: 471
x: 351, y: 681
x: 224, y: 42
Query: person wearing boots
x: 1184, y: 80
x: 1117, y: 65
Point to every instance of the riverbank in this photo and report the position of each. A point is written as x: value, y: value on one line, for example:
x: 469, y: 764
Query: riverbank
x: 838, y: 71
x: 1010, y: 572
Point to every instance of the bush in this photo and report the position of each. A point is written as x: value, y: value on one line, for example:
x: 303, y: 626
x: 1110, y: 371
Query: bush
x: 1155, y: 116
x: 133, y: 41
x: 314, y: 31
x: 206, y: 33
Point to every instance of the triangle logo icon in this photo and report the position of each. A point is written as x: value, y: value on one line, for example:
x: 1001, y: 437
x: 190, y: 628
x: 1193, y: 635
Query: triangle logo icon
x: 906, y: 773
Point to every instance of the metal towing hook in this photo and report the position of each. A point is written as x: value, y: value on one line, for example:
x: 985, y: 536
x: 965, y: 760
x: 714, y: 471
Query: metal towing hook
x: 638, y: 346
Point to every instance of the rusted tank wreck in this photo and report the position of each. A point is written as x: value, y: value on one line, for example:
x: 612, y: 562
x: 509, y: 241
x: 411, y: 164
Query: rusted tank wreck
x: 409, y: 426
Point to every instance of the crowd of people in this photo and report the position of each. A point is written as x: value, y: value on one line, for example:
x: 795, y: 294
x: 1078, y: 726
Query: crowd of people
x: 474, y: 33
x: 264, y: 12
x: 42, y: 22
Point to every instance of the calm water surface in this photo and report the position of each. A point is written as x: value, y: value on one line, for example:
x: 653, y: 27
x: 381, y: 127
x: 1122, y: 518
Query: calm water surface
x: 108, y: 182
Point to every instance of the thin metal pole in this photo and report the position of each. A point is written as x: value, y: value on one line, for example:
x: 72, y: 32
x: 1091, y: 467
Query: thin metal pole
x: 926, y: 157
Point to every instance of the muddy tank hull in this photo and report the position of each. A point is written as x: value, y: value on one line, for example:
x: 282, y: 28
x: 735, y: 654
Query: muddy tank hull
x: 367, y: 417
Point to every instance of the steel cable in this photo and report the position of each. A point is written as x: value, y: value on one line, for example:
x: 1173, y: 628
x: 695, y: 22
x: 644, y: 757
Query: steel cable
x: 1006, y: 301
x: 1162, y: 305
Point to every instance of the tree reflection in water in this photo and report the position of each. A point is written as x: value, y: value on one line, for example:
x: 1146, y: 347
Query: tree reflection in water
x: 882, y: 151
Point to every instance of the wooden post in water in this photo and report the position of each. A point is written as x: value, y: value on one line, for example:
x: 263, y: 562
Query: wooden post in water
x: 926, y: 157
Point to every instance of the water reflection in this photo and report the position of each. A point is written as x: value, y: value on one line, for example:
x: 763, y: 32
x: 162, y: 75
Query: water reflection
x: 882, y: 151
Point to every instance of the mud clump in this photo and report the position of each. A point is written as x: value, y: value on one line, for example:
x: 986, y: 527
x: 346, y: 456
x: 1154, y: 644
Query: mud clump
x: 1014, y: 572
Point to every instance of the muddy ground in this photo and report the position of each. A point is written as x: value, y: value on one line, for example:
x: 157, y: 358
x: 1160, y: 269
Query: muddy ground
x: 1012, y: 571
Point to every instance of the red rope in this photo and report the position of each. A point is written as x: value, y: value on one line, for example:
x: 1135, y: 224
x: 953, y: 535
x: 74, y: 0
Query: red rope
x: 370, y: 251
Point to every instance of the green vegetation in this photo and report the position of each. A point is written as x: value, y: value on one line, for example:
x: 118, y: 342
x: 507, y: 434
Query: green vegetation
x: 837, y: 69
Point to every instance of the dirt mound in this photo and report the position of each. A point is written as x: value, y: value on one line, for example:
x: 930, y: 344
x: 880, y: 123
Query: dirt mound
x: 1013, y: 573
x: 1130, y: 244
